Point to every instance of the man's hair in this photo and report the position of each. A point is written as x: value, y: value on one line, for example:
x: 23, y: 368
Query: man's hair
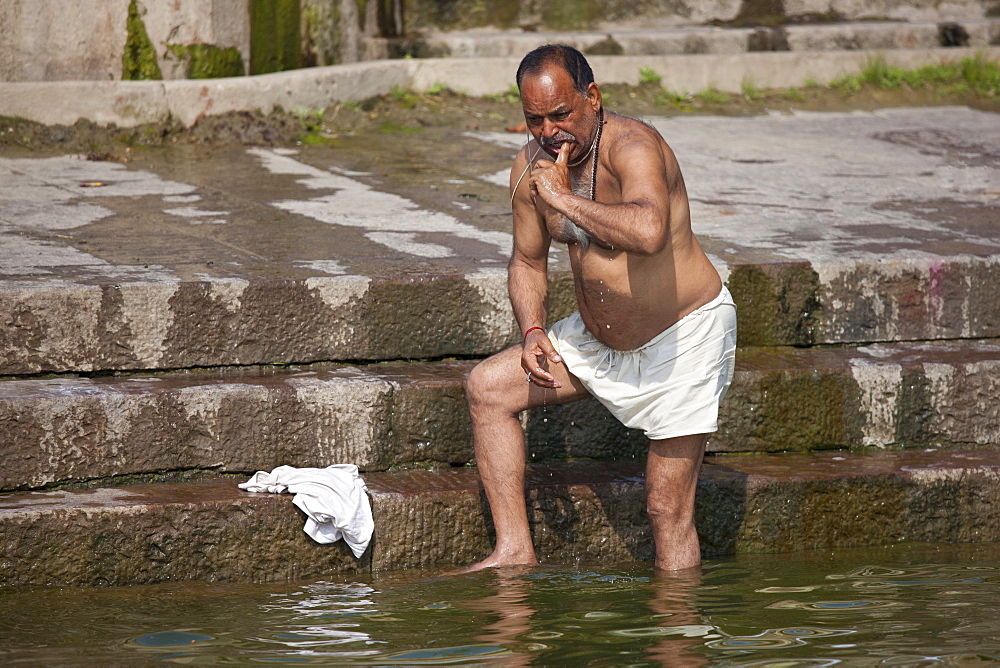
x: 566, y: 57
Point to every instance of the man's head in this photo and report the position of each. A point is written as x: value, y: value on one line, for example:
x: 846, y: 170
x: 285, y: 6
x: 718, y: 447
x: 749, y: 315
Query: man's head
x: 566, y: 57
x: 560, y: 100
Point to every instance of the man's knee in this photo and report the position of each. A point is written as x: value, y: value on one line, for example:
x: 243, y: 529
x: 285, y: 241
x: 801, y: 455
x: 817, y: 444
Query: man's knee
x: 672, y: 482
x: 483, y: 386
x: 669, y: 509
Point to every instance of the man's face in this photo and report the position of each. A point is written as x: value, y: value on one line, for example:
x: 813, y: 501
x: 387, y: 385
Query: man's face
x: 557, y: 113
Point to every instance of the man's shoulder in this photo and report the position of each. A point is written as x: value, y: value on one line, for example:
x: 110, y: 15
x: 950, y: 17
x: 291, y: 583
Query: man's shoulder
x: 632, y: 136
x: 635, y: 127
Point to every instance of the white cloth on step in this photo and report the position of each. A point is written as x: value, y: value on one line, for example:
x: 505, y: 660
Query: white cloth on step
x: 334, y: 499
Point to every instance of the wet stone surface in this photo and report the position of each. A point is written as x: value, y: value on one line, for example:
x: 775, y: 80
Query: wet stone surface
x: 578, y: 511
x: 851, y: 229
x: 808, y: 186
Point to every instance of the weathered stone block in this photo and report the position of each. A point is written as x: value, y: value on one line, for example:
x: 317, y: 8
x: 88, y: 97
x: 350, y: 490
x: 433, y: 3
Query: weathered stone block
x: 180, y: 325
x: 155, y: 533
x: 387, y: 415
x: 592, y: 513
x: 777, y: 503
x: 66, y: 429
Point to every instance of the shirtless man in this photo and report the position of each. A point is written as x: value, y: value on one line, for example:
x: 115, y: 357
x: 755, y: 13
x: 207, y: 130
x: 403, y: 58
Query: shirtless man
x: 655, y: 335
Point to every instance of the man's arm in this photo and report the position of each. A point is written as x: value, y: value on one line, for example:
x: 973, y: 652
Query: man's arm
x: 640, y: 222
x: 527, y: 278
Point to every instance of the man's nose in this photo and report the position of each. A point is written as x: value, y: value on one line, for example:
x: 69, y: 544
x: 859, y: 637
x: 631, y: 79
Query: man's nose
x: 549, y: 129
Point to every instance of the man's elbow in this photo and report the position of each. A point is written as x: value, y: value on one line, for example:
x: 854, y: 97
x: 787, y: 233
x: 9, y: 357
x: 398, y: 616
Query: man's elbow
x: 520, y: 263
x: 653, y: 233
x: 649, y: 248
x: 652, y: 241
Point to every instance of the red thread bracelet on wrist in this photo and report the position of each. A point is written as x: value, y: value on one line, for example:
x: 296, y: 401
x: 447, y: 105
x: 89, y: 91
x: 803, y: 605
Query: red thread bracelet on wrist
x: 531, y: 329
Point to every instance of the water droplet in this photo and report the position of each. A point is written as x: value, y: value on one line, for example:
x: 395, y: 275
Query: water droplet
x: 608, y: 326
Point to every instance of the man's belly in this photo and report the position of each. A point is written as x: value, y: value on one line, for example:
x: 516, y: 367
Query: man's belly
x: 626, y: 300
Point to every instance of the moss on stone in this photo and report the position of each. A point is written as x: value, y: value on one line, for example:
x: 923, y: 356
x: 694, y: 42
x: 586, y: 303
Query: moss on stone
x: 915, y: 410
x: 778, y: 304
x: 606, y: 47
x: 570, y: 14
x: 453, y: 14
x: 803, y: 411
x: 275, y: 36
x: 207, y: 61
x: 139, y: 58
x: 326, y: 32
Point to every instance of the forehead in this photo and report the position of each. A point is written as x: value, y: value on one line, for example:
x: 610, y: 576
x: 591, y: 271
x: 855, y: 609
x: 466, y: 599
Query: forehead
x: 547, y: 90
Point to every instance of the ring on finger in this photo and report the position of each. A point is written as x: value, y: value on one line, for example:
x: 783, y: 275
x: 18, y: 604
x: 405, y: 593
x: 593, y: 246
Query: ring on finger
x: 528, y: 377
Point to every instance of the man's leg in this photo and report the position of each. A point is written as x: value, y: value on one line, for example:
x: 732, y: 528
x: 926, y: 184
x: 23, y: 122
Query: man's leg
x: 671, y: 481
x: 497, y: 393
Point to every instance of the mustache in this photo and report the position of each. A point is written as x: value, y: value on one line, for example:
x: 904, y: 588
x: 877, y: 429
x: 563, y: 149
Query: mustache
x: 558, y: 138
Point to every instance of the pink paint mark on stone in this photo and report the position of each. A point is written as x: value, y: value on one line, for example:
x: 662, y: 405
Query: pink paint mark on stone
x: 934, y: 292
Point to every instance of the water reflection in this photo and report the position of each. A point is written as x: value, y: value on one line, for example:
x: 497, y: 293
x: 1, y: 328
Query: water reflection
x: 673, y: 601
x: 773, y: 638
x: 508, y: 604
x: 901, y: 606
x: 171, y: 639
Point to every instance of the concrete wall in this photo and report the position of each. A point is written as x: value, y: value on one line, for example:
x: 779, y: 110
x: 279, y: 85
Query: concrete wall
x: 85, y: 39
x: 597, y: 14
x: 56, y: 40
x: 69, y: 39
x: 221, y: 23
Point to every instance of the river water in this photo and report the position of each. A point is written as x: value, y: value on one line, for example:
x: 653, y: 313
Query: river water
x: 905, y: 605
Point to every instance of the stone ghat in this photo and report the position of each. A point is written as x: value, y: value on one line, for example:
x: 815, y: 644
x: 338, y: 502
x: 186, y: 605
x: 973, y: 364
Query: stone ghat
x: 217, y: 426
x: 679, y: 40
x: 405, y: 414
x: 211, y: 530
x: 74, y: 327
x: 860, y: 249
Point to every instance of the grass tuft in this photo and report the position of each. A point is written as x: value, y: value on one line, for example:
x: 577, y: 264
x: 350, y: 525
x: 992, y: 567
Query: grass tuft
x: 976, y: 74
x: 647, y: 75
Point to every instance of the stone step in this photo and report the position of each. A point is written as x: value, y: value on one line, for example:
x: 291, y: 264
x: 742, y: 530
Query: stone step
x: 244, y: 256
x: 590, y: 513
x: 380, y: 416
x: 613, y: 15
x: 62, y: 327
x: 704, y: 39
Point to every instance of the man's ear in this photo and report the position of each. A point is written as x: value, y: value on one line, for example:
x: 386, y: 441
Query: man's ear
x: 594, y: 96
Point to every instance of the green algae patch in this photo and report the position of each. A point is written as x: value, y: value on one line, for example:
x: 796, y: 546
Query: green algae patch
x: 804, y: 411
x: 778, y: 304
x: 275, y: 36
x: 139, y: 59
x: 915, y: 411
x: 456, y: 14
x: 207, y: 61
x: 570, y: 14
x: 323, y: 33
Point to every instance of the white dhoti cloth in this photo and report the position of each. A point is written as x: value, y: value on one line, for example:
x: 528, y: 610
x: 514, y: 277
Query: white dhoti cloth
x: 334, y: 499
x: 672, y: 385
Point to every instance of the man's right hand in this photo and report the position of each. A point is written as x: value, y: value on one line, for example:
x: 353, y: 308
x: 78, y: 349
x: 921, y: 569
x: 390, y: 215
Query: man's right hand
x: 550, y: 180
x: 536, y: 354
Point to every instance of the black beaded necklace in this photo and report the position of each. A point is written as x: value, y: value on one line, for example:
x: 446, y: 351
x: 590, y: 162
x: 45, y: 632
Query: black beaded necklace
x: 597, y: 149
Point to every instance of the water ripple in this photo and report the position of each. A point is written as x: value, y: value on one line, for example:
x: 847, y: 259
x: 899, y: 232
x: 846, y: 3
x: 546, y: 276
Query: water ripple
x: 832, y: 605
x: 774, y: 638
